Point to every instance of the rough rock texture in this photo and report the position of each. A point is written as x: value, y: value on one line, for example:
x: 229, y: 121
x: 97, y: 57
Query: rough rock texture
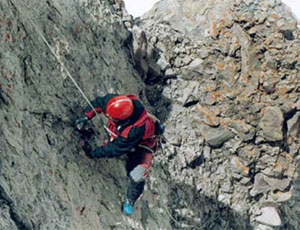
x: 222, y: 75
x: 46, y: 181
x: 231, y: 70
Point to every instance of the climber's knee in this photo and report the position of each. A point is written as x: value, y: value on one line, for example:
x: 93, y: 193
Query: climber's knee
x: 138, y: 174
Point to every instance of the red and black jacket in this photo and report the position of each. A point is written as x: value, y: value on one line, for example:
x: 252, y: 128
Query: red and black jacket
x: 137, y: 130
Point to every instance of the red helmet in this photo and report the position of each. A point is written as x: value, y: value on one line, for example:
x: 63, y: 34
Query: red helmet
x: 119, y: 107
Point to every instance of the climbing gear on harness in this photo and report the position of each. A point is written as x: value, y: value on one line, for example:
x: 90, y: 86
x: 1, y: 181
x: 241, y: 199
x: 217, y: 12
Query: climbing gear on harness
x: 159, y: 128
x: 119, y: 108
x: 80, y: 123
x: 86, y: 133
x: 128, y: 207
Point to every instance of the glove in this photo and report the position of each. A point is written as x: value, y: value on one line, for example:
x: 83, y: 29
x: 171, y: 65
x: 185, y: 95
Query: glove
x: 87, y: 148
x: 80, y: 123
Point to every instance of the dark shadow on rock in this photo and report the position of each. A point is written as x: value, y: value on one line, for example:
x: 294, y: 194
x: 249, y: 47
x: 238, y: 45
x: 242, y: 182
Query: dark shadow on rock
x: 290, y: 213
x: 191, y: 209
x: 145, y: 64
x: 208, y: 213
x: 186, y: 208
x: 161, y: 106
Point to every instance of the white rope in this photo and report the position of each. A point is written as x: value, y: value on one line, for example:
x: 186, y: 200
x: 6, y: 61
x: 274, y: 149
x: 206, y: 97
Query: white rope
x: 109, y: 131
x: 57, y: 58
x: 66, y: 70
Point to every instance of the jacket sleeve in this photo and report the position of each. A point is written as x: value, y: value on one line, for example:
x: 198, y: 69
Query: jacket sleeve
x: 99, y: 103
x: 121, y: 145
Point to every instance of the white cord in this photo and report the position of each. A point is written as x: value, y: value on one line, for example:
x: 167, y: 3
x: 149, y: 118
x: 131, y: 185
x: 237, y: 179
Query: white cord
x: 60, y: 62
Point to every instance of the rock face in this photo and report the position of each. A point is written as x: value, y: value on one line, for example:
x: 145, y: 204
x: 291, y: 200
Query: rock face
x: 271, y: 124
x: 269, y: 216
x: 222, y: 75
x: 46, y: 181
x: 235, y: 100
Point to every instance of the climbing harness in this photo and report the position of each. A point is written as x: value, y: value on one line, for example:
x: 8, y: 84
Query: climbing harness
x: 159, y: 138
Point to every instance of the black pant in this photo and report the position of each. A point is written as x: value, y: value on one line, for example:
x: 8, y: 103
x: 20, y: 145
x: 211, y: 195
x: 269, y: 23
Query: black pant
x: 138, y: 158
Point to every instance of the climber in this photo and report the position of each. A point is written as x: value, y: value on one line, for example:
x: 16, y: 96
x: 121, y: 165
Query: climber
x: 132, y: 132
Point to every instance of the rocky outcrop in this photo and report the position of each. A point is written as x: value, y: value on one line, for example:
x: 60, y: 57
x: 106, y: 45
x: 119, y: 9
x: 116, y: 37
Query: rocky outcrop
x: 234, y: 86
x: 222, y: 75
x: 46, y: 181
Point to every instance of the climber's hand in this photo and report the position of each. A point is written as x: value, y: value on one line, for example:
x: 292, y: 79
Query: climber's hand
x: 80, y: 123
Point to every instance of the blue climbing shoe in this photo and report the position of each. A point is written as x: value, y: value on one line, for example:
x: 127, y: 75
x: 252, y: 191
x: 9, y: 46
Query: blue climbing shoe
x: 128, y: 207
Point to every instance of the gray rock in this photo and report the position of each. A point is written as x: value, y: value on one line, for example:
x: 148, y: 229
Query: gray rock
x: 154, y: 70
x: 294, y: 126
x: 281, y: 196
x: 245, y: 180
x: 239, y: 166
x: 263, y: 227
x: 175, y: 140
x: 227, y: 187
x: 179, y: 14
x: 162, y: 62
x: 206, y: 116
x: 260, y: 185
x: 245, y: 131
x: 195, y: 65
x: 269, y: 172
x: 234, y: 47
x: 248, y: 2
x: 278, y: 184
x: 204, y: 53
x: 170, y: 72
x: 189, y: 93
x: 186, y: 60
x: 269, y: 217
x: 178, y: 62
x: 280, y: 166
x: 271, y: 62
x: 191, y: 155
x: 144, y: 55
x: 140, y: 50
x: 193, y: 70
x: 207, y: 152
x: 250, y: 62
x: 271, y: 124
x: 238, y: 72
x: 6, y: 221
x: 240, y: 63
x: 46, y: 180
x: 215, y: 137
x: 225, y: 198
